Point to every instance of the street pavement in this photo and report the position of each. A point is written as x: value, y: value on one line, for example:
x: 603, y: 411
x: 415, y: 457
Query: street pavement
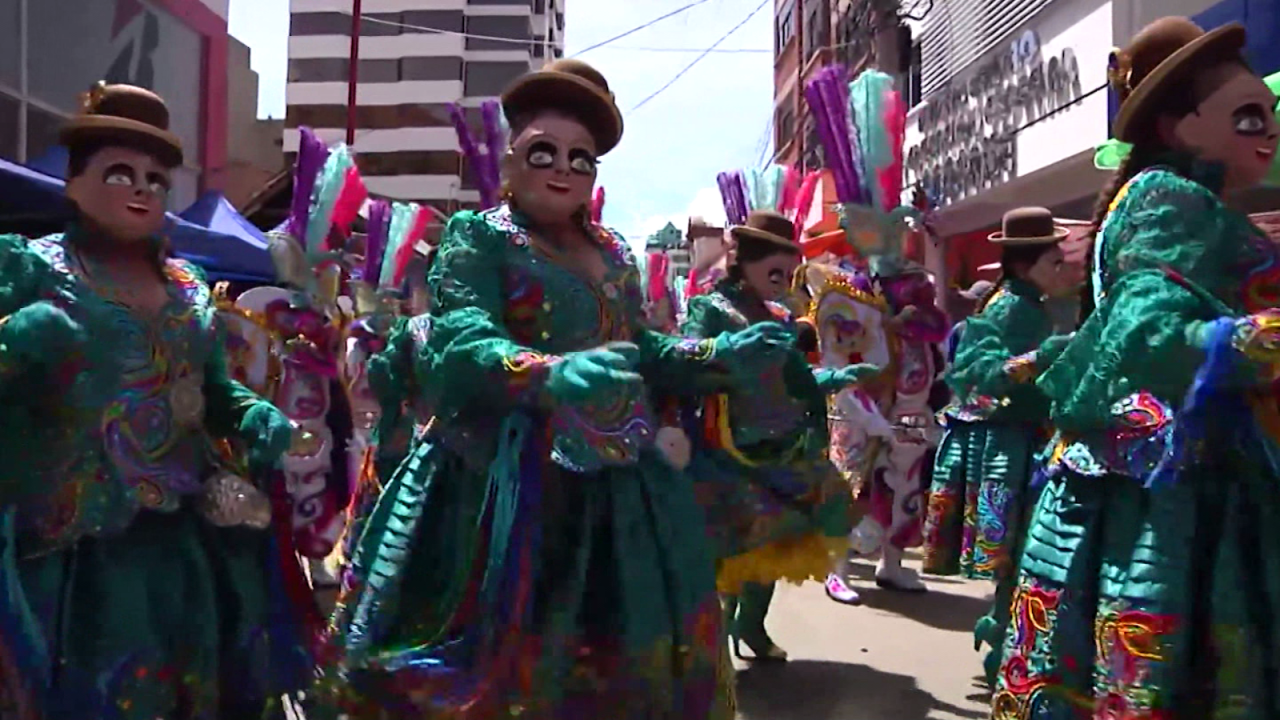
x: 896, y: 657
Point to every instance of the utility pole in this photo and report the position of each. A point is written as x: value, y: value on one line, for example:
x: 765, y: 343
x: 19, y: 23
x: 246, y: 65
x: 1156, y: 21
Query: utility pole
x: 353, y: 72
x: 801, y: 59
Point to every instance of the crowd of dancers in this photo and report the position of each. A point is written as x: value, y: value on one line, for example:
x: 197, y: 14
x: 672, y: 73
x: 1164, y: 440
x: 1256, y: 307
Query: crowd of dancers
x: 544, y: 499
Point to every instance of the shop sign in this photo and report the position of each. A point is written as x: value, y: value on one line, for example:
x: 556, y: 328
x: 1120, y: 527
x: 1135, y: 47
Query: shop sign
x: 969, y: 128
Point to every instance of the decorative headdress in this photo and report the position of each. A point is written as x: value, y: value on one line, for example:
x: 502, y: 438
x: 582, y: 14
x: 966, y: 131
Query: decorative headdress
x: 126, y: 114
x: 777, y: 189
x: 862, y: 127
x: 394, y: 230
x: 328, y: 193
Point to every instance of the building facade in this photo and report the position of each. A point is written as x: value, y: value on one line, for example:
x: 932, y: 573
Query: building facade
x: 1015, y: 102
x: 416, y: 56
x: 810, y: 34
x: 51, y: 51
x: 254, y: 152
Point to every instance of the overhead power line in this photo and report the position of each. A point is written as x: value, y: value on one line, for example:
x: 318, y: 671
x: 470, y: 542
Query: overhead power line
x: 698, y: 59
x: 638, y: 28
x: 512, y: 41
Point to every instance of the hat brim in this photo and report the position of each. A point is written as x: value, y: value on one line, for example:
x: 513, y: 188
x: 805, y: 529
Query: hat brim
x: 1059, y: 234
x: 756, y: 234
x: 1228, y: 38
x: 566, y: 92
x: 162, y: 144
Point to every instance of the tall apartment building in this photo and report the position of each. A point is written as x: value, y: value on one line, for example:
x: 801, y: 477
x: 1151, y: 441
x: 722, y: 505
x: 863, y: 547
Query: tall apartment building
x: 416, y: 56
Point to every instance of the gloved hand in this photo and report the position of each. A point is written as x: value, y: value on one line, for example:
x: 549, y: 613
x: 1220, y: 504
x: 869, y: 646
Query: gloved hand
x: 579, y: 376
x: 754, y: 350
x: 836, y: 379
x: 40, y: 333
x: 1257, y: 336
x: 268, y: 432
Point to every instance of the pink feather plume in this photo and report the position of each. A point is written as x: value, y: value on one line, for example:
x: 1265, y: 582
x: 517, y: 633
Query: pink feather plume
x: 895, y: 124
x: 597, y: 206
x: 804, y: 198
x: 790, y: 191
x: 350, y: 199
x: 405, y: 252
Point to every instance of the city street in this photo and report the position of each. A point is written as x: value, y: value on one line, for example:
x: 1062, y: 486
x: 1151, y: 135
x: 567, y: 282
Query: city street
x: 896, y: 657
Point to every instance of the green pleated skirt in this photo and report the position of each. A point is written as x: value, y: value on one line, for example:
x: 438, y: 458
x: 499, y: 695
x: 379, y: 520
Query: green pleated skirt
x: 1150, y: 604
x: 979, y: 500
x: 168, y: 620
x: 620, y: 618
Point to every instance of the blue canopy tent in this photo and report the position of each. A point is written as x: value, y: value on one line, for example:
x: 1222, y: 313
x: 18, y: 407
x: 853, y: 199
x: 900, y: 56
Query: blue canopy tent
x: 227, y: 251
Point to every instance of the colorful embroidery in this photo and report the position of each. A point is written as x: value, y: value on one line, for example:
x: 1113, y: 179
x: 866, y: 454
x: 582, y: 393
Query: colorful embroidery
x: 1131, y: 648
x: 975, y: 408
x: 1021, y: 368
x: 525, y: 373
x: 1024, y: 673
x: 696, y: 350
x: 995, y: 503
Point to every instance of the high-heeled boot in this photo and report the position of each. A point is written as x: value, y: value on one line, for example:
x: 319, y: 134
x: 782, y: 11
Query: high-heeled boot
x: 990, y: 629
x: 748, y: 626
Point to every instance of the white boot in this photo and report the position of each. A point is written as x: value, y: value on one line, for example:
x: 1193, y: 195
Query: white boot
x: 890, y: 574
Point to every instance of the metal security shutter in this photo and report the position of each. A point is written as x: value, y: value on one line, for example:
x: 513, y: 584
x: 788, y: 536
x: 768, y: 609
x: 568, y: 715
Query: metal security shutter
x: 959, y: 32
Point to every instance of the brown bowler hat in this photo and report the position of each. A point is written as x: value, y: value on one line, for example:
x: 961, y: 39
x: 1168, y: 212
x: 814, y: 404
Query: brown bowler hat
x: 1158, y: 57
x: 574, y: 87
x: 1029, y: 226
x: 130, y: 115
x: 768, y: 226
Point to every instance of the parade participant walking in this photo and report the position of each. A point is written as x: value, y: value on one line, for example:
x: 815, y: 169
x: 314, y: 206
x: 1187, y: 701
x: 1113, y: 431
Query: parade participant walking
x: 996, y: 423
x: 136, y: 563
x: 1150, y: 582
x: 538, y: 553
x: 776, y: 506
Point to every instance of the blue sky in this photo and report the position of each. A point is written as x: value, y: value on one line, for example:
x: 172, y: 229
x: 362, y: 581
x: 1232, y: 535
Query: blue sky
x: 714, y: 118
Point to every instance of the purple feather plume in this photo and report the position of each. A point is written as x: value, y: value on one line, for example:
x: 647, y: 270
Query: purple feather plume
x: 376, y: 243
x: 836, y: 103
x: 312, y: 155
x: 740, y: 195
x: 823, y: 126
x: 467, y: 142
x: 722, y: 180
x: 490, y: 112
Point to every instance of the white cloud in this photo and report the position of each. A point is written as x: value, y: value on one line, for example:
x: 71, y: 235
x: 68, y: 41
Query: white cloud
x: 708, y: 205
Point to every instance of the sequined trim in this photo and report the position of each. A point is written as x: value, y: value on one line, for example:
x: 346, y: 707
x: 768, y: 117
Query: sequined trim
x: 977, y: 408
x: 526, y: 372
x: 698, y: 350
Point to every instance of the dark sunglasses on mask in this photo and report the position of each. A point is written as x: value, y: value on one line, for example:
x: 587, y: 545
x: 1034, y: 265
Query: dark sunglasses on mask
x: 542, y: 155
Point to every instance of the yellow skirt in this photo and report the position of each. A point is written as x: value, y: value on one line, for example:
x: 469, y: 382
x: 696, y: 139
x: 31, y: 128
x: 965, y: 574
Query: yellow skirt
x: 794, y: 559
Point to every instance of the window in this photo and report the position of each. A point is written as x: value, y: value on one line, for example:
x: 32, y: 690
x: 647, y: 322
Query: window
x: 786, y: 127
x: 539, y: 7
x: 42, y: 131
x: 497, y: 26
x: 418, y: 162
x: 431, y: 68
x: 815, y: 30
x: 487, y: 79
x: 453, y: 21
x: 9, y: 109
x: 10, y: 46
x: 368, y: 117
x: 915, y: 85
x: 813, y: 155
x: 333, y: 23
x: 784, y: 25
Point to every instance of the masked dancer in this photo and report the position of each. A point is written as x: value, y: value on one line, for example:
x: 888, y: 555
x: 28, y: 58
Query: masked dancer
x: 538, y: 553
x: 776, y: 505
x: 1150, y: 581
x: 136, y: 554
x: 980, y: 498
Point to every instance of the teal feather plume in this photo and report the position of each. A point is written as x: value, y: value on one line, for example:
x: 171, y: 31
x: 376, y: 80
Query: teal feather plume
x: 868, y: 96
x: 752, y: 180
x: 773, y: 182
x: 324, y: 198
x: 402, y: 217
